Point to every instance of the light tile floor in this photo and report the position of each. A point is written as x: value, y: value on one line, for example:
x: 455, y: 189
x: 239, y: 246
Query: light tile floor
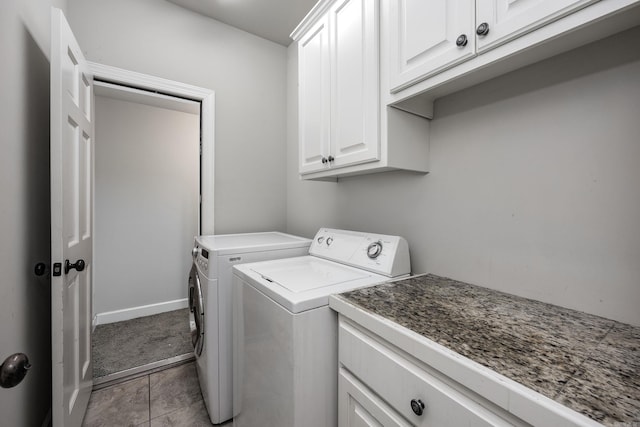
x: 167, y: 398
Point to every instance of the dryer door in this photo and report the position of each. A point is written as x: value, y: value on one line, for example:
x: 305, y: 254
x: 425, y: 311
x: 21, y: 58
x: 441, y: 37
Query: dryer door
x: 196, y: 310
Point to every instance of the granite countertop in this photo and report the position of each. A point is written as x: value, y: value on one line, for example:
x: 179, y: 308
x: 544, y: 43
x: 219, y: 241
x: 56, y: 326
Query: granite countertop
x: 587, y: 363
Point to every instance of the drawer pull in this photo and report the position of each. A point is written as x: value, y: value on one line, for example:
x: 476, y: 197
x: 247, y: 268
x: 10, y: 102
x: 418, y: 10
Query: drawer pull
x: 417, y: 406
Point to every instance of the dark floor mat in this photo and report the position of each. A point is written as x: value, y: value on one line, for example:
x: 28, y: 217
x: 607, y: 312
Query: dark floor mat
x: 137, y: 342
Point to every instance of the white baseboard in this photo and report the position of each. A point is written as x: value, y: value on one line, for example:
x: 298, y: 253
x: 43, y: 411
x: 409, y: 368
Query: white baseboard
x: 134, y: 312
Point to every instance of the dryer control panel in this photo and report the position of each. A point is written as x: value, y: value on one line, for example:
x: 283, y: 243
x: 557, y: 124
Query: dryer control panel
x: 201, y: 258
x: 378, y: 253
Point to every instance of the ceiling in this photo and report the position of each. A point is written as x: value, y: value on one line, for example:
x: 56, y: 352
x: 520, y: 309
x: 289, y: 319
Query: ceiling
x: 270, y: 19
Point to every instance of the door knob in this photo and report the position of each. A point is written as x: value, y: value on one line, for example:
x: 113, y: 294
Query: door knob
x: 13, y: 370
x: 78, y: 265
x: 461, y: 41
x: 330, y: 159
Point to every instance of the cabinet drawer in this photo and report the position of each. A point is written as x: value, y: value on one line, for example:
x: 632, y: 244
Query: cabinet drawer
x: 358, y: 406
x: 398, y: 381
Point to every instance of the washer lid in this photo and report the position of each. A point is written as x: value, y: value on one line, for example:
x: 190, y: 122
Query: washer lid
x: 224, y: 244
x: 307, y: 273
x: 303, y: 283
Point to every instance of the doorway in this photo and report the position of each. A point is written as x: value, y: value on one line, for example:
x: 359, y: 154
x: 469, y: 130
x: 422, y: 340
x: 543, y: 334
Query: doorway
x: 148, y: 183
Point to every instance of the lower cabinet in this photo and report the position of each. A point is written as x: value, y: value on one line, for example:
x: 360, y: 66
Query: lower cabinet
x: 358, y: 406
x: 381, y: 386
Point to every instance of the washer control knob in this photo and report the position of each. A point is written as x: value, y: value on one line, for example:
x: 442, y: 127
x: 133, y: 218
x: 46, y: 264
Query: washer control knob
x: 374, y: 249
x: 194, y: 252
x: 417, y: 406
x: 329, y: 241
x: 320, y: 239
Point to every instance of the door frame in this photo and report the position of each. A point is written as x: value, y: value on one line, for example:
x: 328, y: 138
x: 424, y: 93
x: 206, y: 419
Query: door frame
x: 206, y: 97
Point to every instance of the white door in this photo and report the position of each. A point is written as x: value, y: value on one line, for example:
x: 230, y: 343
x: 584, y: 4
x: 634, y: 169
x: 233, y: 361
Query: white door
x: 355, y: 104
x: 507, y: 19
x: 427, y: 37
x: 71, y: 225
x: 313, y: 72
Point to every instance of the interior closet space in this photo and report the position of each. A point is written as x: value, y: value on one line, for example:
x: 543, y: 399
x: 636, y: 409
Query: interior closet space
x: 147, y: 185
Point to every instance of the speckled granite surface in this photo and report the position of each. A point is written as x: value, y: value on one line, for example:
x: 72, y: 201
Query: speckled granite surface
x: 585, y: 362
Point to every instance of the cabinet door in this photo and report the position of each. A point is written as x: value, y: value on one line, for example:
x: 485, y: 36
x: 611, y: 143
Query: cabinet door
x: 354, y: 82
x: 508, y: 19
x: 314, y: 92
x: 360, y: 407
x: 398, y: 381
x: 422, y: 38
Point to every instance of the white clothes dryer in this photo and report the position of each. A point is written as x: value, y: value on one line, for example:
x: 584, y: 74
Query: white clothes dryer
x: 285, y: 343
x: 210, y: 302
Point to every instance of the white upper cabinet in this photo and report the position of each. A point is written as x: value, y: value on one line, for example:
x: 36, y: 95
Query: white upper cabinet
x: 506, y: 19
x: 314, y: 117
x: 427, y: 37
x: 345, y: 128
x: 438, y: 47
x: 354, y: 83
x: 339, y: 87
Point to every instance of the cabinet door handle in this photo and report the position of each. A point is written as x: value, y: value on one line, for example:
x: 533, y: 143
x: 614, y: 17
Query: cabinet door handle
x: 417, y: 406
x: 461, y: 41
x: 330, y: 159
x: 324, y: 160
x: 483, y: 29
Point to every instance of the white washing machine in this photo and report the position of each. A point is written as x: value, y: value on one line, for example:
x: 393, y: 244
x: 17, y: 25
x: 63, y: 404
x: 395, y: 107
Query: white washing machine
x: 286, y: 336
x: 210, y: 302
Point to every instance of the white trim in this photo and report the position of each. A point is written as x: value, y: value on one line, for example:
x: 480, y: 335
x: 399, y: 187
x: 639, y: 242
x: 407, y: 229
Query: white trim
x: 143, y: 96
x: 318, y: 10
x: 207, y: 116
x: 140, y: 371
x: 144, y: 310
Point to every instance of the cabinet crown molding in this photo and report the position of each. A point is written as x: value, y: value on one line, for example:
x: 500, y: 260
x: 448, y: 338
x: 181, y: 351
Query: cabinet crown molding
x: 316, y: 12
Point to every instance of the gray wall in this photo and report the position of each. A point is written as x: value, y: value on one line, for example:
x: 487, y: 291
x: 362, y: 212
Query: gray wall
x: 247, y: 73
x: 146, y: 204
x: 25, y: 308
x: 533, y: 187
